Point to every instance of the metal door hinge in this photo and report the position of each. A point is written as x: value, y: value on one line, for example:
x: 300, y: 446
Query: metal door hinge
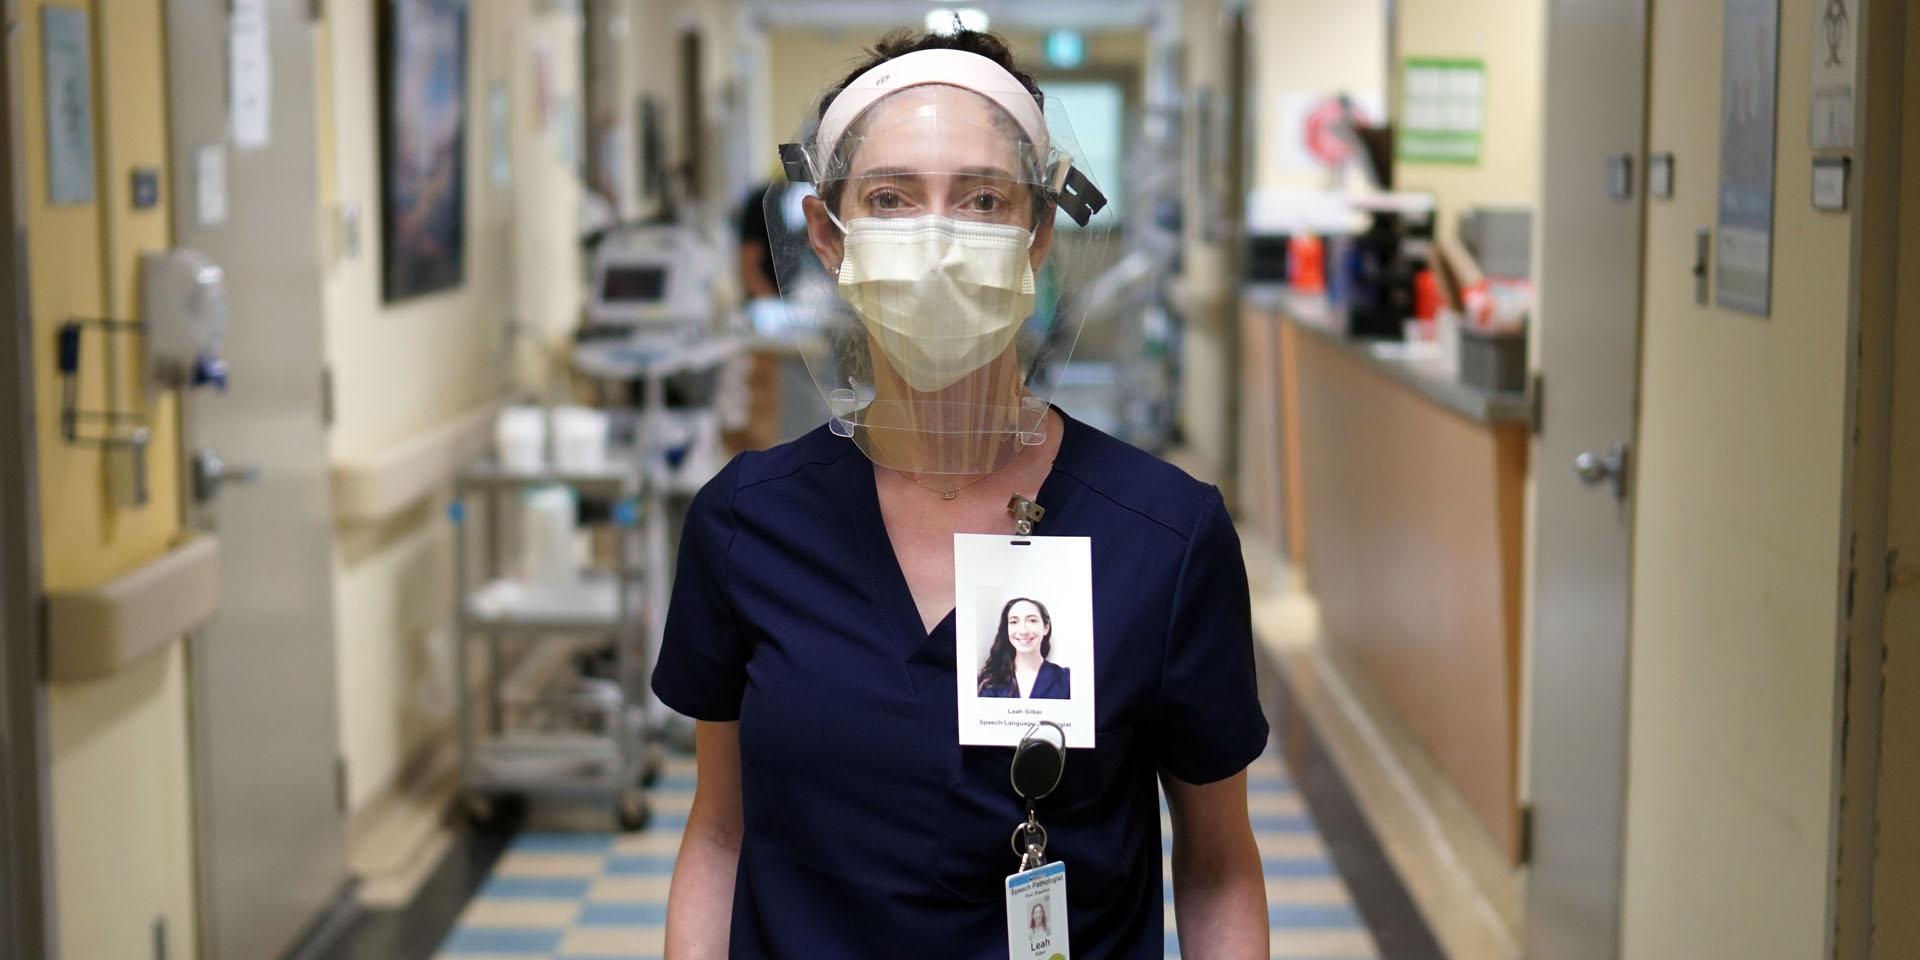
x: 1526, y: 833
x: 1537, y: 404
x: 326, y: 396
x: 1897, y: 575
x: 340, y: 783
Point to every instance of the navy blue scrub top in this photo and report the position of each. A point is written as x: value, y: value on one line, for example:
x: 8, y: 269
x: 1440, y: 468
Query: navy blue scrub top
x: 868, y: 831
x: 1053, y: 682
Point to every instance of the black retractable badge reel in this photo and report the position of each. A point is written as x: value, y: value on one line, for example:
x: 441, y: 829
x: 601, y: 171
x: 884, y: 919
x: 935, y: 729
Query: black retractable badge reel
x: 1037, y: 765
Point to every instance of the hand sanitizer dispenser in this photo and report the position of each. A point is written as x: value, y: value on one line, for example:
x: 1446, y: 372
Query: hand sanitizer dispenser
x: 184, y: 299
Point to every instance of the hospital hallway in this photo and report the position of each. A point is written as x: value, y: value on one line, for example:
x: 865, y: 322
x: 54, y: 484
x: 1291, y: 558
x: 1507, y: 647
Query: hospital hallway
x: 558, y: 884
x: 1457, y: 460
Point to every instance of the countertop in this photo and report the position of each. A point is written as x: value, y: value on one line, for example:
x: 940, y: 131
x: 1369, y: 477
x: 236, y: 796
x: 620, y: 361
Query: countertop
x: 1424, y: 373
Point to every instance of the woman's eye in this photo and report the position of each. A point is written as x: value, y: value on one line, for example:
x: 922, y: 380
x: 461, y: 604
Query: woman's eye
x: 983, y: 203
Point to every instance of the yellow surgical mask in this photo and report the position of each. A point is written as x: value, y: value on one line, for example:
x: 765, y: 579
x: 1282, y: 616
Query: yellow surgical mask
x: 941, y: 297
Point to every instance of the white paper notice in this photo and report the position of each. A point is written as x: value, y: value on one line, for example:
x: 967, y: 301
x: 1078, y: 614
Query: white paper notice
x: 1835, y: 52
x: 1023, y: 637
x: 210, y: 184
x: 249, y: 74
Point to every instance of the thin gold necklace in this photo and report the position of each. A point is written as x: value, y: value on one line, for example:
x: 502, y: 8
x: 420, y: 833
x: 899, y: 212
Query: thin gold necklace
x: 955, y: 492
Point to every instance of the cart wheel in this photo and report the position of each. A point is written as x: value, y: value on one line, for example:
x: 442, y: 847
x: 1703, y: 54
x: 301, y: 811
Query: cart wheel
x: 494, y: 812
x: 656, y: 765
x: 631, y: 810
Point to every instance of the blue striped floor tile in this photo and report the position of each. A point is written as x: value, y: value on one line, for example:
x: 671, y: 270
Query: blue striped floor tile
x: 566, y: 867
x: 1281, y: 823
x: 1319, y: 916
x: 536, y: 888
x: 1297, y: 867
x: 498, y: 940
x: 563, y: 842
x: 623, y: 915
x: 630, y: 865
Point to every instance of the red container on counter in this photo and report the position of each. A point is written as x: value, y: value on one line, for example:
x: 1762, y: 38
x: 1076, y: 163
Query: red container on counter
x: 1426, y: 295
x: 1307, y: 263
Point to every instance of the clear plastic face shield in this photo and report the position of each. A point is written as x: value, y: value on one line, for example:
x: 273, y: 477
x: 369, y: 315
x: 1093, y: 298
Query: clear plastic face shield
x: 932, y: 289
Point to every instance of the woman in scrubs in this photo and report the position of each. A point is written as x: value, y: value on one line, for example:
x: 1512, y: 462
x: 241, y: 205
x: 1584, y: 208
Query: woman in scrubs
x: 1017, y: 664
x: 811, y: 632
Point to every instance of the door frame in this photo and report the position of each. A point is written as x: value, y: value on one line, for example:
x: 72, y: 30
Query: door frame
x: 1879, y: 324
x: 26, y: 856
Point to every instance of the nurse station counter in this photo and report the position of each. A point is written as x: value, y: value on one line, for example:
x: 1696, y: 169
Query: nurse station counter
x: 1400, y: 494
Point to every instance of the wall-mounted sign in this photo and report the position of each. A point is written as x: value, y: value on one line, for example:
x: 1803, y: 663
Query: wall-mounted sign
x: 1442, y: 110
x: 249, y: 75
x: 1750, y: 48
x: 1066, y: 49
x: 210, y: 184
x: 68, y: 70
x: 499, y: 135
x: 1830, y: 184
x: 1835, y: 48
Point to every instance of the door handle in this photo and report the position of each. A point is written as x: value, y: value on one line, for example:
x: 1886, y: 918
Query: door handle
x: 1594, y: 469
x: 210, y: 473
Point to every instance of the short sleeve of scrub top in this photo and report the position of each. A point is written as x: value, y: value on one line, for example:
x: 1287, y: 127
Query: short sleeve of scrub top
x: 868, y: 830
x: 708, y: 658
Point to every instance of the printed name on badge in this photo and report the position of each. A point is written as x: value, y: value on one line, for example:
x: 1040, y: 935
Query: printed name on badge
x: 1023, y: 637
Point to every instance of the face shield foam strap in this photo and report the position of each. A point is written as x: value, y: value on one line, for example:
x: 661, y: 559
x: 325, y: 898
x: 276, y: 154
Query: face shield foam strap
x: 1078, y: 197
x: 796, y: 164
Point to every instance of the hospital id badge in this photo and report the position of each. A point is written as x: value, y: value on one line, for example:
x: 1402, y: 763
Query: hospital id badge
x: 1023, y: 639
x: 1037, y: 914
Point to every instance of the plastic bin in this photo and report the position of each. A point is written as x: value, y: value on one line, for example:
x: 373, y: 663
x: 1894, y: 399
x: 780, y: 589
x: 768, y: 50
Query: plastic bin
x: 1493, y: 360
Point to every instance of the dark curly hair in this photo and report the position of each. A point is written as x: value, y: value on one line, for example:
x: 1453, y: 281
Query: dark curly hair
x: 899, y: 43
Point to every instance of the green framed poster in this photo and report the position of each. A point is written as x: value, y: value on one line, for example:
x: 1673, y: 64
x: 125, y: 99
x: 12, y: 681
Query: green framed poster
x: 1442, y: 110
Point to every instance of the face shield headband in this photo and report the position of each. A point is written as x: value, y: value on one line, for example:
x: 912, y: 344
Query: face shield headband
x: 1066, y: 187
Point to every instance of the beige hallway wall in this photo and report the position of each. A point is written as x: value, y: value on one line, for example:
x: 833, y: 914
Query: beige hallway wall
x: 121, y: 780
x: 1510, y: 37
x: 404, y: 370
x: 1301, y: 46
x: 1736, y: 584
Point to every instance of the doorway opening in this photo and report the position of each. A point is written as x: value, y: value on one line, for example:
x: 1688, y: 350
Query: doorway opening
x: 26, y: 904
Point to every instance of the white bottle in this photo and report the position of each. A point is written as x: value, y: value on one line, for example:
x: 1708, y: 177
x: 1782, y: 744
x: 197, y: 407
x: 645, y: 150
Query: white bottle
x: 549, y: 535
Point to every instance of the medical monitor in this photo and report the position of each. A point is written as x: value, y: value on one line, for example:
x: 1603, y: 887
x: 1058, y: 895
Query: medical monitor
x: 651, y: 276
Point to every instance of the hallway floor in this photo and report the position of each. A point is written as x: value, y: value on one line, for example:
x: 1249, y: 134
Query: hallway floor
x: 574, y: 895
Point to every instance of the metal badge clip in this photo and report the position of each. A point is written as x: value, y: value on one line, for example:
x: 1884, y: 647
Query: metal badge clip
x: 1026, y: 513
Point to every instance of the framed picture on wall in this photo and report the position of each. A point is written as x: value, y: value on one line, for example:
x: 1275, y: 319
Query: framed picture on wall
x: 423, y: 141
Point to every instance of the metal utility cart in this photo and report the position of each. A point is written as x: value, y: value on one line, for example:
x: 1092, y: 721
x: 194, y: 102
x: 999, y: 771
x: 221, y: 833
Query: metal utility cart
x: 578, y: 735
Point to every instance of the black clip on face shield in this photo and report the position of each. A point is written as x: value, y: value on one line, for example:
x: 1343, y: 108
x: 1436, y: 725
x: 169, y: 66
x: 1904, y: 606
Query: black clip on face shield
x: 1072, y: 192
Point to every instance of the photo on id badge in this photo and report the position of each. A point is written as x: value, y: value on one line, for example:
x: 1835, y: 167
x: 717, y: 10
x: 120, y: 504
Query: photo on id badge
x: 1023, y: 637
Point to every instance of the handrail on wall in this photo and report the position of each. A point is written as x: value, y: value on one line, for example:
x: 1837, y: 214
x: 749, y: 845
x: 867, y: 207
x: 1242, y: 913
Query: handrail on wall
x: 371, y: 489
x: 98, y: 631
